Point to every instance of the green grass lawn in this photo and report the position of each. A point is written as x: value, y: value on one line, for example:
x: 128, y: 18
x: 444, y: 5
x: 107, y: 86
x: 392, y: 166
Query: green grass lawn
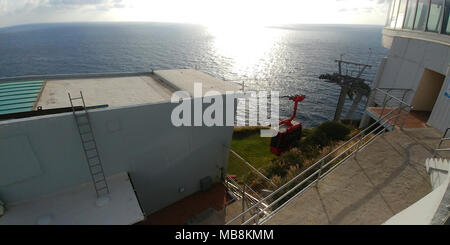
x: 254, y: 149
x: 248, y: 143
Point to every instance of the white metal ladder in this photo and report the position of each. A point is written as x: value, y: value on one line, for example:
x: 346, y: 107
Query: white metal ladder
x: 89, y: 146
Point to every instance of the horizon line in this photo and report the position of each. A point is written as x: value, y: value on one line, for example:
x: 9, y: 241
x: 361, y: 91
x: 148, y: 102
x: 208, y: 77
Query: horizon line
x: 185, y: 23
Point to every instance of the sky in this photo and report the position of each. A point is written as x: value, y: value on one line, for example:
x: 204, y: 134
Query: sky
x: 205, y: 12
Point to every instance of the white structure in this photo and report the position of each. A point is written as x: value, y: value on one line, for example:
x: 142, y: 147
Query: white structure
x: 417, y: 34
x: 148, y: 163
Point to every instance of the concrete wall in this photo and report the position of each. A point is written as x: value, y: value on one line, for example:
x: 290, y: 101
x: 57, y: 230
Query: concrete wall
x: 406, y: 63
x: 44, y: 155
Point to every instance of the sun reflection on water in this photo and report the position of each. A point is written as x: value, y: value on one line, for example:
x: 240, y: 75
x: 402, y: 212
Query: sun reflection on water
x: 249, y: 49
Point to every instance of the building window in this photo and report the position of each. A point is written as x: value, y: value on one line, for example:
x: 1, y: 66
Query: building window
x: 435, y: 16
x: 421, y: 15
x: 401, y: 14
x: 446, y: 25
x: 410, y: 13
x: 389, y: 15
x: 394, y: 13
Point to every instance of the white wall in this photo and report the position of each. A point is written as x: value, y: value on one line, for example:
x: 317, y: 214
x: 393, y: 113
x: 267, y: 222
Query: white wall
x: 141, y: 140
x: 406, y: 62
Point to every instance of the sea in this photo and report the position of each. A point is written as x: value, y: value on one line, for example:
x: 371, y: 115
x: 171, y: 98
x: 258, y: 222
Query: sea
x: 288, y: 58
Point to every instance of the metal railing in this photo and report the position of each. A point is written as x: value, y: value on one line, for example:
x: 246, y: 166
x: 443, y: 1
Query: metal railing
x: 319, y: 170
x: 243, y: 193
x: 443, y: 139
x: 253, y: 177
x: 240, y: 192
x: 390, y: 99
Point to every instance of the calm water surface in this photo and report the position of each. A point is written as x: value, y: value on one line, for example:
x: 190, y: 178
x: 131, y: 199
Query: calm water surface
x: 288, y: 59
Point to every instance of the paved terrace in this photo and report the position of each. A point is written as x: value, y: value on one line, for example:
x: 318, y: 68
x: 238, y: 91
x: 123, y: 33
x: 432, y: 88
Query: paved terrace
x: 386, y: 177
x: 415, y: 119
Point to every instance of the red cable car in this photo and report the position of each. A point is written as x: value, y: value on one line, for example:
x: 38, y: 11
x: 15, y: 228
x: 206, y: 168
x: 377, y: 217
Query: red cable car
x: 289, y: 131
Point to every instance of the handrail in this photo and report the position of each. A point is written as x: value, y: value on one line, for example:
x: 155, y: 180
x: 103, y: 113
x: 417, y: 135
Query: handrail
x: 363, y: 135
x: 242, y: 193
x: 317, y: 172
x: 321, y: 161
x: 233, y: 182
x: 401, y: 89
x: 392, y: 97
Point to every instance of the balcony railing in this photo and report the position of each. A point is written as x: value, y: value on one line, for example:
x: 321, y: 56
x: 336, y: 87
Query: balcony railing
x: 295, y: 187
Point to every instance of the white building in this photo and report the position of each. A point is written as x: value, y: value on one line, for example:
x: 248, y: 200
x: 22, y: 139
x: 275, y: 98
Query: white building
x: 417, y: 34
x: 49, y: 162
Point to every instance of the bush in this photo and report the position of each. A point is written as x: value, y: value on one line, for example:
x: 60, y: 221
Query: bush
x: 277, y: 168
x: 293, y: 157
x: 280, y: 166
x: 334, y: 131
x: 309, y: 150
x: 307, y: 132
x: 318, y: 138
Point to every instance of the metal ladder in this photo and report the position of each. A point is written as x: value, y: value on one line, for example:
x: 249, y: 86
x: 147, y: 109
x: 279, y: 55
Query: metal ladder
x: 90, y: 146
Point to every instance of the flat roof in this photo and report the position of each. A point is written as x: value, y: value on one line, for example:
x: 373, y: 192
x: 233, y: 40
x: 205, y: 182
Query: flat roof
x: 111, y: 91
x: 116, y: 91
x: 80, y: 206
x: 185, y: 79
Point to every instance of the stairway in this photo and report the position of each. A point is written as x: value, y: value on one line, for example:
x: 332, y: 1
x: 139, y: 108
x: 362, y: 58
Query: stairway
x: 89, y: 146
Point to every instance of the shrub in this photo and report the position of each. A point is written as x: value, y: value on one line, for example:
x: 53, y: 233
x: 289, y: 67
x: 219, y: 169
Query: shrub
x: 321, y: 137
x: 318, y: 138
x: 277, y: 168
x: 334, y: 131
x: 309, y: 150
x: 280, y: 166
x: 307, y: 132
x: 293, y: 157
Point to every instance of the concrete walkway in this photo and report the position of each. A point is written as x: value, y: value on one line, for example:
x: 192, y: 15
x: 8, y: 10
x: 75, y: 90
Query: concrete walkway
x: 386, y: 177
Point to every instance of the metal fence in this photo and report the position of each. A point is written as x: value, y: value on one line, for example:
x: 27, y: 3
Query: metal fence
x: 295, y: 187
x: 253, y: 177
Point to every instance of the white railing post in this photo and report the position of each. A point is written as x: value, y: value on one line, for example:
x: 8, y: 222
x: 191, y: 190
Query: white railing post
x: 320, y: 171
x: 359, y: 144
x: 384, y: 105
x: 243, y: 203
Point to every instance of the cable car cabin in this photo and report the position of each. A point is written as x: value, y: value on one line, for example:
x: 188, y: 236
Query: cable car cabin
x: 286, y: 137
x: 289, y: 132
